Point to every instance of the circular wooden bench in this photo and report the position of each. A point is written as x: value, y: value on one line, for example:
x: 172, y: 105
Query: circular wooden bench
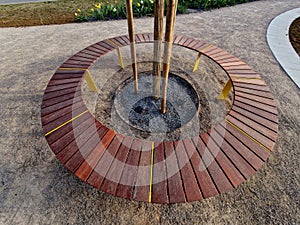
x: 160, y: 172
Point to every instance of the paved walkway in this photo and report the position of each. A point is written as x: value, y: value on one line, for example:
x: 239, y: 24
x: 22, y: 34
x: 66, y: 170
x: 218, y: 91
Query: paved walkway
x: 279, y: 42
x: 36, y: 188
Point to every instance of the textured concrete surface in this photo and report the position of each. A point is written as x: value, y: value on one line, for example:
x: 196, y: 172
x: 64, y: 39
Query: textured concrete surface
x: 36, y: 189
x: 279, y: 42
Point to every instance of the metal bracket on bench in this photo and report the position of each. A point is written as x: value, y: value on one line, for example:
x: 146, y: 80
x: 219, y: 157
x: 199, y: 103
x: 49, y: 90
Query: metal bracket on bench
x: 90, y: 82
x: 119, y: 53
x: 199, y: 58
x: 225, y: 91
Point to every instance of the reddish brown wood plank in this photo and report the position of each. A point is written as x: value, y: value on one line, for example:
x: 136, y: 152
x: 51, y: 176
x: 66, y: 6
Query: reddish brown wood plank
x: 233, y: 63
x: 252, y: 132
x: 230, y: 142
x: 73, y: 110
x: 188, y: 42
x: 220, y: 180
x: 84, y: 56
x: 192, y: 43
x: 227, y: 59
x: 227, y: 166
x: 272, y: 135
x: 252, y: 86
x: 182, y: 40
x: 60, y: 105
x: 253, y: 92
x: 159, y: 184
x: 146, y: 37
x: 207, y: 186
x: 48, y: 96
x: 126, y: 39
x: 256, y: 104
x: 126, y: 184
x: 260, y: 112
x: 76, y: 65
x: 114, y: 174
x: 218, y: 135
x: 267, y: 123
x: 86, y: 168
x: 91, y: 53
x: 175, y: 186
x: 59, y: 99
x: 201, y: 45
x: 191, y: 188
x: 83, y: 151
x: 263, y: 100
x: 78, y: 62
x: 245, y: 68
x: 105, y: 46
x: 51, y: 138
x: 141, y: 189
x: 67, y: 134
x: 141, y: 37
x: 62, y: 87
x: 65, y: 154
x: 99, y: 173
x: 211, y: 51
x: 96, y: 50
x: 176, y: 39
x: 60, y: 76
x: 63, y: 81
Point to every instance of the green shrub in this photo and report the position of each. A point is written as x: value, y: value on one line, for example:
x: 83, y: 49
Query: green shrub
x: 142, y: 8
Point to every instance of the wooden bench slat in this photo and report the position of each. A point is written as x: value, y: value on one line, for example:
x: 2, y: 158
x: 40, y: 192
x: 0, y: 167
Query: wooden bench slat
x: 250, y: 159
x: 159, y: 182
x: 272, y: 135
x: 259, y: 93
x: 61, y: 116
x: 191, y: 188
x: 58, y: 99
x: 207, y: 186
x: 62, y: 87
x: 55, y: 82
x: 52, y: 108
x: 175, y: 186
x: 83, y: 151
x: 237, y: 160
x: 267, y: 123
x: 66, y: 136
x: 126, y: 184
x: 65, y: 154
x: 86, y: 168
x: 220, y: 180
x: 263, y: 100
x: 252, y: 132
x: 116, y: 168
x: 231, y: 172
x: 256, y: 104
x: 266, y: 115
x: 141, y: 189
x: 97, y: 176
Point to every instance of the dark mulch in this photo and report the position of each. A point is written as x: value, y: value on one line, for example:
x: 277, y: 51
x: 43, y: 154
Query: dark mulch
x: 295, y: 35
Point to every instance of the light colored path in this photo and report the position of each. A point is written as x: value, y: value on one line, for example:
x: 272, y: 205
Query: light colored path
x: 279, y: 42
x: 10, y: 2
x: 35, y: 188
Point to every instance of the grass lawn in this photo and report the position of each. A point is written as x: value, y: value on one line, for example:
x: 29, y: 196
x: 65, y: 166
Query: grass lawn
x: 58, y: 12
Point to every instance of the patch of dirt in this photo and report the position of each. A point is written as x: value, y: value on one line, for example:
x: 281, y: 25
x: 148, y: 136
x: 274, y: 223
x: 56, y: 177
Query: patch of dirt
x: 294, y: 34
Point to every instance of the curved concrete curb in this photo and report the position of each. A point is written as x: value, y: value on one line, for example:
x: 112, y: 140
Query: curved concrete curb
x: 279, y: 42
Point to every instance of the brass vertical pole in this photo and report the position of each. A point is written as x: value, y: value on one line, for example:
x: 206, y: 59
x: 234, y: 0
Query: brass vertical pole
x: 132, y: 42
x: 158, y: 34
x: 170, y: 22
